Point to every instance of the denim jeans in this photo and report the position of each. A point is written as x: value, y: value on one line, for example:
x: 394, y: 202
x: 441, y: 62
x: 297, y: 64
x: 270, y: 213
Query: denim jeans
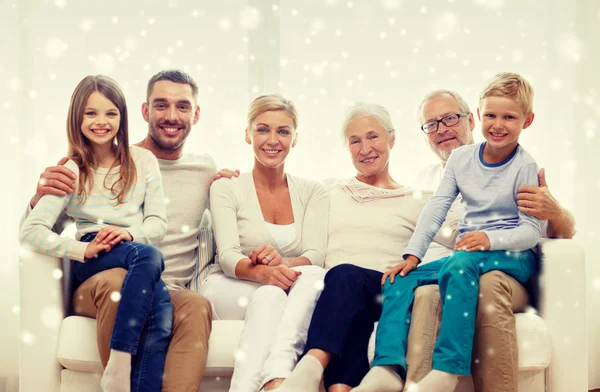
x: 145, y: 315
x: 458, y: 278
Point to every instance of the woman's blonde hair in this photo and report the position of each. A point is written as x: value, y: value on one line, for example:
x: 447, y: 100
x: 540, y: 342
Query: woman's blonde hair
x: 271, y: 102
x: 510, y: 85
x: 80, y: 150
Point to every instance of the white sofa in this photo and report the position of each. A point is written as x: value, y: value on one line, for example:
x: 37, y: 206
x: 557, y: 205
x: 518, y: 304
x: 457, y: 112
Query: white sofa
x: 60, y: 354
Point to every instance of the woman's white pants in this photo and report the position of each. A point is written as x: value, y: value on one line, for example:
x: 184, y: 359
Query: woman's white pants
x: 276, y: 323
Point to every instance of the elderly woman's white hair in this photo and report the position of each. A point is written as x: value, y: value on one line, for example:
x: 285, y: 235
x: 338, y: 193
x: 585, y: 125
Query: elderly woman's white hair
x: 360, y: 109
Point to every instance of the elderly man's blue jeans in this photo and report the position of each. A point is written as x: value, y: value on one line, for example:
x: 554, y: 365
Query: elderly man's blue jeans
x: 145, y: 315
x: 458, y: 278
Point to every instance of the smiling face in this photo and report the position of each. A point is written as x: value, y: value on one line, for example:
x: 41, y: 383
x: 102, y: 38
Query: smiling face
x: 502, y: 120
x: 171, y: 112
x: 369, y: 145
x: 101, y: 120
x: 272, y: 136
x: 446, y: 139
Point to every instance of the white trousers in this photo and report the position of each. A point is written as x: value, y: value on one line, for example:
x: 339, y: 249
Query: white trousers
x: 276, y: 323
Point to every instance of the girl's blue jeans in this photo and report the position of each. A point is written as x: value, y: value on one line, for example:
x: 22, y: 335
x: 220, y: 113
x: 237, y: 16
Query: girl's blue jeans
x: 145, y: 315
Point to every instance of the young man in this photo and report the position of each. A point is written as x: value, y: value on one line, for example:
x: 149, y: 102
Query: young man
x: 171, y: 110
x: 500, y: 294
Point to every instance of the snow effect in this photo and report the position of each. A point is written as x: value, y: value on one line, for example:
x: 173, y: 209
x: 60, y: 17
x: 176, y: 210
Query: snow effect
x: 250, y: 18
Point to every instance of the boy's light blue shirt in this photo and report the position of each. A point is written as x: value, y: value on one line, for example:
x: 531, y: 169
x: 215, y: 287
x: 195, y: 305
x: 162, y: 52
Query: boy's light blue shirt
x: 489, y: 195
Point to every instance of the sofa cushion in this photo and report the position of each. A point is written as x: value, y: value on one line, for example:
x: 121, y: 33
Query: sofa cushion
x: 77, y: 348
x: 533, y: 340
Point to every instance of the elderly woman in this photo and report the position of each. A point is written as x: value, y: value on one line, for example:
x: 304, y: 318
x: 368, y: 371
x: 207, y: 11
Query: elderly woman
x: 271, y: 233
x: 371, y: 220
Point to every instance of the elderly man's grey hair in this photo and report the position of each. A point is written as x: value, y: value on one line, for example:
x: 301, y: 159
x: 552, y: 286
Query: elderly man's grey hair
x: 368, y: 109
x: 462, y: 104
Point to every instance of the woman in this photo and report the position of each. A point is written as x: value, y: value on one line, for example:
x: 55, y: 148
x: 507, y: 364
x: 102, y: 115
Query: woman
x: 371, y: 220
x: 271, y: 233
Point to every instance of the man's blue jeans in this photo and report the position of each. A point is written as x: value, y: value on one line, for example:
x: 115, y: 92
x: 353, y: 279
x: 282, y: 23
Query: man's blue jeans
x: 145, y: 315
x: 458, y: 278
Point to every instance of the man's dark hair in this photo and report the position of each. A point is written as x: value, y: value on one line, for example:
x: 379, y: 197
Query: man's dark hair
x: 175, y: 76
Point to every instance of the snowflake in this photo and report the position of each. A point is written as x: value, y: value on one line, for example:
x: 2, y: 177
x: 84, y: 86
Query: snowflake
x: 115, y: 296
x: 131, y: 43
x: 57, y: 274
x: 492, y: 4
x: 224, y: 24
x: 318, y: 25
x: 60, y: 3
x: 320, y: 285
x: 27, y: 338
x: 242, y: 302
x: 250, y: 18
x: 390, y: 4
x: 51, y: 318
x: 16, y: 309
x: 86, y: 24
x: 55, y: 48
x: 104, y: 63
x: 570, y: 47
x: 240, y: 355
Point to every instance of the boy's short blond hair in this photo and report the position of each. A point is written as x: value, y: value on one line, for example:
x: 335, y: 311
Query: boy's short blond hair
x: 510, y: 85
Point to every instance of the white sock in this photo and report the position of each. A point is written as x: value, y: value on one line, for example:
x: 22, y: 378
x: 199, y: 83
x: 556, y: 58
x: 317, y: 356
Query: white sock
x: 380, y: 379
x: 306, y: 377
x: 436, y: 381
x: 117, y: 375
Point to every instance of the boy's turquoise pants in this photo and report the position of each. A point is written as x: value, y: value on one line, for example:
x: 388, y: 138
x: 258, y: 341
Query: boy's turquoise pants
x: 458, y: 278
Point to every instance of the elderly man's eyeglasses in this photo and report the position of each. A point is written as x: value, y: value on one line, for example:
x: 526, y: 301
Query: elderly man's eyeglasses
x: 449, y: 120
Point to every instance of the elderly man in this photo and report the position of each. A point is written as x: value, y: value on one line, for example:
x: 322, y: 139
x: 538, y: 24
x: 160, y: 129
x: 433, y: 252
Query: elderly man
x: 495, y: 357
x: 171, y: 110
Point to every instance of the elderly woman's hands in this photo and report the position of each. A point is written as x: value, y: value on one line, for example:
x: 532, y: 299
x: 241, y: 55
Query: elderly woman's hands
x: 403, y: 268
x: 266, y: 255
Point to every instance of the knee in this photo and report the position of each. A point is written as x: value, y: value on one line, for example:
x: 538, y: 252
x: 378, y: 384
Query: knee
x: 268, y: 296
x: 104, y: 289
x: 428, y: 295
x: 312, y: 275
x: 193, y: 310
x: 153, y: 257
x: 341, y: 272
x: 108, y: 286
x: 459, y: 264
x: 494, y: 294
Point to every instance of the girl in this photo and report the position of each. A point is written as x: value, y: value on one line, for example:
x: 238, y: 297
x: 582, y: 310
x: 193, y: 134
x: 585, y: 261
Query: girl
x: 271, y: 234
x: 118, y: 199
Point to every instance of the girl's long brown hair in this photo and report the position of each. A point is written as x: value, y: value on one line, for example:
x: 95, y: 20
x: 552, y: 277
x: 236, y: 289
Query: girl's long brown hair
x: 80, y: 149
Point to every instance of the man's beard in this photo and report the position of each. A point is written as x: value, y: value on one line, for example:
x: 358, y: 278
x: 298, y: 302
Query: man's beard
x: 167, y: 144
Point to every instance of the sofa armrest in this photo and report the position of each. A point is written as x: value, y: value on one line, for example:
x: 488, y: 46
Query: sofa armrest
x: 563, y: 308
x: 42, y: 310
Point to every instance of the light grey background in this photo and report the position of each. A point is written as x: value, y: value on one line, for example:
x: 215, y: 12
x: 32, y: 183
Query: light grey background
x: 324, y: 55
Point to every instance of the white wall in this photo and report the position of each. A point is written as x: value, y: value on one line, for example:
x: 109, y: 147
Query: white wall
x: 323, y: 54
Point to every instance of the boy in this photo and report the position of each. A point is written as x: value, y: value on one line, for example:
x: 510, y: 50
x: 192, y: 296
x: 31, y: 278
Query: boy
x: 494, y: 235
